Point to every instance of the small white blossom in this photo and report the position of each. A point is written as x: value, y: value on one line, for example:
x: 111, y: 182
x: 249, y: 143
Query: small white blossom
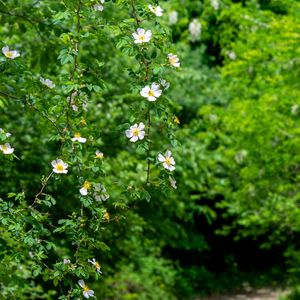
x: 78, y: 138
x: 174, y: 60
x: 6, y: 149
x: 151, y: 93
x: 231, y: 55
x: 295, y: 109
x: 167, y: 160
x: 85, y: 188
x: 142, y: 36
x: 136, y: 132
x: 66, y: 261
x: 173, y: 183
x: 173, y: 17
x: 240, y: 156
x: 164, y: 83
x: 99, y: 154
x: 96, y: 264
x: 87, y: 292
x: 11, y: 54
x: 59, y: 166
x: 74, y: 107
x: 157, y: 10
x: 7, y: 134
x: 98, y: 6
x: 47, y: 82
x: 100, y: 193
x: 195, y: 30
x: 215, y: 4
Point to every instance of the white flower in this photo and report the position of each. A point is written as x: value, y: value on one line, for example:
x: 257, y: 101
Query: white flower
x: 157, y: 10
x: 151, y: 93
x: 85, y: 188
x: 173, y: 183
x: 173, y: 17
x: 87, y: 292
x: 77, y: 138
x: 215, y: 4
x: 100, y: 193
x: 231, y: 55
x: 174, y: 60
x: 74, y: 107
x: 10, y: 53
x: 167, y: 160
x: 96, y: 264
x: 99, y: 154
x: 136, y: 132
x: 142, y: 36
x: 195, y: 30
x: 66, y: 261
x: 240, y: 156
x: 7, y: 134
x: 6, y: 149
x: 47, y: 82
x: 295, y: 109
x: 164, y: 83
x: 59, y: 166
x: 98, y: 7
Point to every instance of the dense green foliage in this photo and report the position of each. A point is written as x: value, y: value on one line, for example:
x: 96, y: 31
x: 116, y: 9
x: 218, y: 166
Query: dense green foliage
x: 230, y: 118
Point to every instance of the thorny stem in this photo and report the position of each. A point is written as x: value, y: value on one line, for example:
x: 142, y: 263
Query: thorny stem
x: 41, y: 190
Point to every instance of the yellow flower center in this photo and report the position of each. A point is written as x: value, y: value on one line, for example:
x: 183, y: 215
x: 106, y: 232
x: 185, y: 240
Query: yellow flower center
x: 77, y: 135
x: 9, y: 54
x: 59, y: 167
x: 168, y: 161
x: 135, y: 132
x: 87, y: 185
x: 151, y: 93
x: 172, y: 60
x: 106, y: 216
x: 99, y: 155
x: 142, y: 37
x: 86, y: 288
x: 4, y: 148
x: 97, y: 265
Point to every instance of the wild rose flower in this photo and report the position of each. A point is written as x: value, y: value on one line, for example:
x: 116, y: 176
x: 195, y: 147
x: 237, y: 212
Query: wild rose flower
x: 215, y: 4
x: 59, y: 166
x: 195, y: 30
x: 164, y: 83
x: 87, y: 292
x: 142, y: 36
x: 173, y: 183
x: 47, y: 82
x: 100, y: 193
x: 173, y: 17
x: 157, y: 10
x: 6, y: 149
x: 11, y: 54
x: 167, y: 160
x: 96, y: 265
x: 151, y: 93
x: 174, y: 60
x: 136, y: 132
x: 98, y: 6
x: 77, y: 138
x: 99, y: 154
x: 85, y: 188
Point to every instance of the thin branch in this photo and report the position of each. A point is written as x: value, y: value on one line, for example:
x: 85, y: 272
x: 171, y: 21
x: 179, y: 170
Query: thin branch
x: 8, y: 95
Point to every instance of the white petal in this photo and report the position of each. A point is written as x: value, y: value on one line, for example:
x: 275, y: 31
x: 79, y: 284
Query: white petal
x: 157, y: 93
x: 148, y: 34
x: 171, y: 168
x: 134, y: 138
x: 140, y: 31
x: 81, y: 283
x: 129, y: 133
x: 141, y: 126
x: 83, y: 191
x: 151, y: 98
x: 161, y: 158
x: 141, y: 135
x: 172, y: 161
x: 168, y: 153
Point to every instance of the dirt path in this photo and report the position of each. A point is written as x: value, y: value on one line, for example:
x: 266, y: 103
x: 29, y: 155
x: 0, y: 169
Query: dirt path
x: 259, y: 294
